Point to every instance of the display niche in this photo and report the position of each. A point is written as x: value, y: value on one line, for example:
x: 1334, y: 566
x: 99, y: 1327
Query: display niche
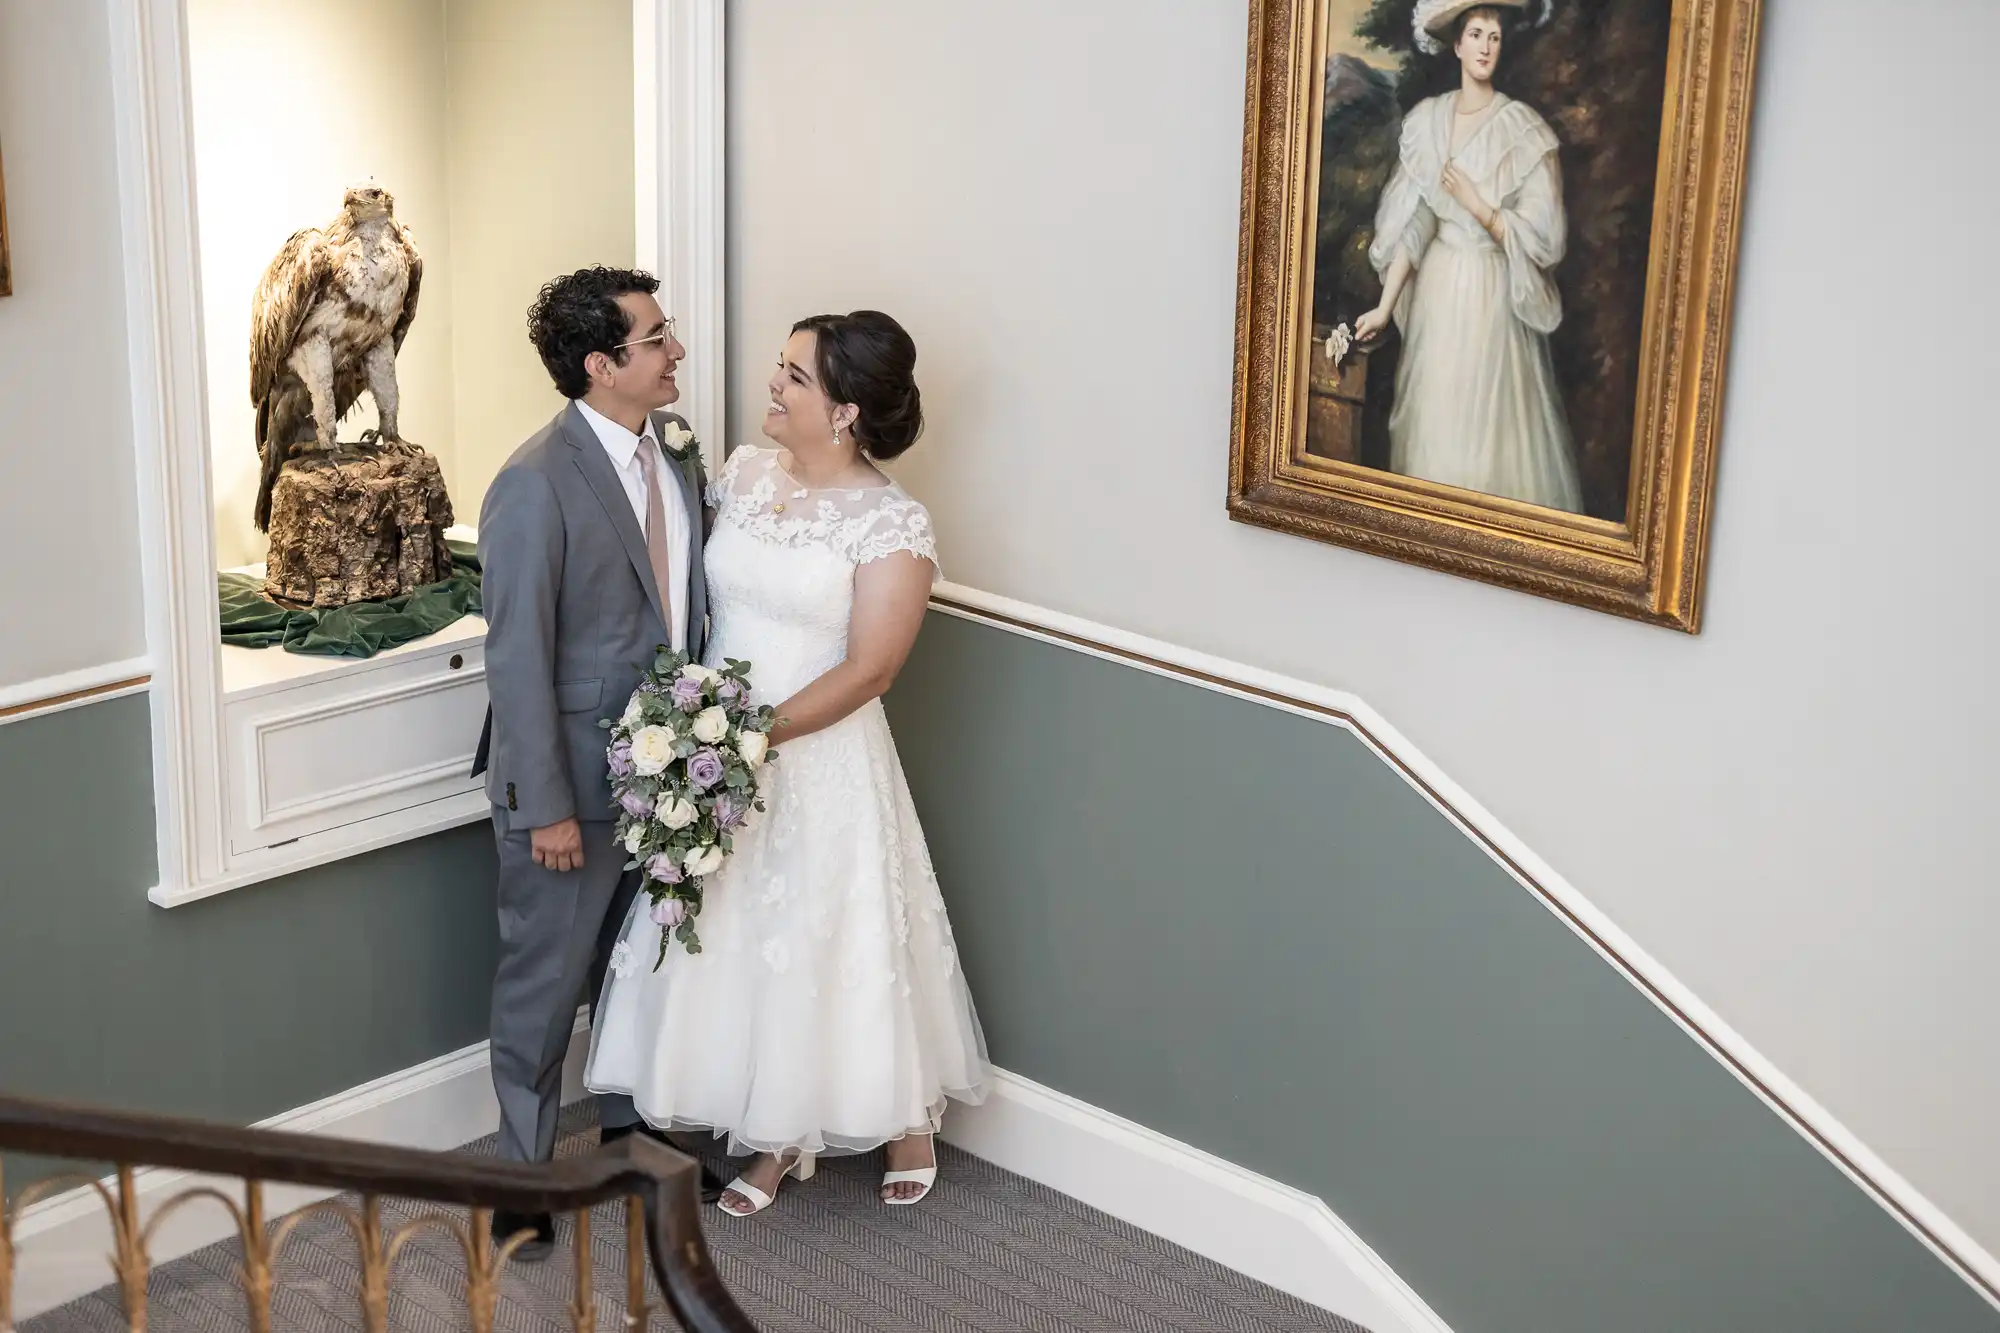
x: 346, y: 366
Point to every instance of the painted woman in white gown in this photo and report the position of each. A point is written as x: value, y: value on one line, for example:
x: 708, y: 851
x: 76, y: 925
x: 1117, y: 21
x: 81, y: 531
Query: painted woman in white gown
x: 826, y: 1012
x: 1467, y: 233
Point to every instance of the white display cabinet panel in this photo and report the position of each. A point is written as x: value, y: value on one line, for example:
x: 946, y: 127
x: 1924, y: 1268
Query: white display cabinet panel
x: 329, y: 749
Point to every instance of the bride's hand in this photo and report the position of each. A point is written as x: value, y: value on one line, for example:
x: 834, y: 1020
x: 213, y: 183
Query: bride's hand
x: 1371, y: 325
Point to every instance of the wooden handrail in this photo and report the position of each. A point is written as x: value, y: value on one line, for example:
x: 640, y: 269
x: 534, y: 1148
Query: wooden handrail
x: 663, y: 1187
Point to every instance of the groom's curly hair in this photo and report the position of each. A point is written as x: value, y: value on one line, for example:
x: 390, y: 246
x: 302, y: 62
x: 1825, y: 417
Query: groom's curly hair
x: 578, y: 314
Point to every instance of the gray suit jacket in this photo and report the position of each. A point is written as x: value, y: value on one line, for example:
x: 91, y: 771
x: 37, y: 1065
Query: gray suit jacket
x: 573, y: 617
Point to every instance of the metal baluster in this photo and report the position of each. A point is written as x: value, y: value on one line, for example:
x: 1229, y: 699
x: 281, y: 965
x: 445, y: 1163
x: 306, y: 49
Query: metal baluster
x: 374, y: 1268
x: 257, y: 1275
x: 635, y: 1265
x: 6, y: 1257
x: 583, y: 1312
x: 133, y: 1266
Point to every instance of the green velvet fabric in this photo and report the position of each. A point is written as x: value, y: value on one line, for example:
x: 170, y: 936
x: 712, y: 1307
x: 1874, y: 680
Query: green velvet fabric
x: 252, y: 620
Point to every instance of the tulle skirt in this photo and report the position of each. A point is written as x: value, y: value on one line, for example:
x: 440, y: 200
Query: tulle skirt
x: 827, y: 1010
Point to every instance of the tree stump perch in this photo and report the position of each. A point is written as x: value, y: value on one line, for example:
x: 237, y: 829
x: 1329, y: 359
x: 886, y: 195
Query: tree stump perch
x: 357, y: 527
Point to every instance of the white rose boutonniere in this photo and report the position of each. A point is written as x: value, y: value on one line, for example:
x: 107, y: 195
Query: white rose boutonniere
x: 678, y: 440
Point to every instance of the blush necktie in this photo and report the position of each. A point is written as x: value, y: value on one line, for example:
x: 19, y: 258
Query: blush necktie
x: 656, y: 527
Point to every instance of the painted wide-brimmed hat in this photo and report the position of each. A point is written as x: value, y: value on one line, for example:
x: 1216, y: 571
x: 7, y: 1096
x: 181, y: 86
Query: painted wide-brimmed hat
x: 1433, y: 18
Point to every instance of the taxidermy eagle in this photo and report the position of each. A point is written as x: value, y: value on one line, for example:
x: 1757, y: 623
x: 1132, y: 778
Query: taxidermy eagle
x: 326, y: 323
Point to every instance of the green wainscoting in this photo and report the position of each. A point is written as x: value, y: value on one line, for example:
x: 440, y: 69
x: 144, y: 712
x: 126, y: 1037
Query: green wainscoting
x: 1240, y: 928
x: 238, y: 1007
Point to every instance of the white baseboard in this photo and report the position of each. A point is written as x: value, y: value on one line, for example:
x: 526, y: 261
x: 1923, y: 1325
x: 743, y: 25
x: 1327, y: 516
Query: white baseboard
x: 64, y: 1242
x: 1272, y: 1232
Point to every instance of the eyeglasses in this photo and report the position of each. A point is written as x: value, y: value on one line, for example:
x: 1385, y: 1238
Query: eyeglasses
x: 660, y: 337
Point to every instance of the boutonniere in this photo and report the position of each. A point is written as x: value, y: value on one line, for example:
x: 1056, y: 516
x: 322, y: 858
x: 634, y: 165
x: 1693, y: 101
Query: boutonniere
x: 678, y: 441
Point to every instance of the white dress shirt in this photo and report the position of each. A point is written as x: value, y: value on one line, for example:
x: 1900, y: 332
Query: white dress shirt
x: 623, y: 448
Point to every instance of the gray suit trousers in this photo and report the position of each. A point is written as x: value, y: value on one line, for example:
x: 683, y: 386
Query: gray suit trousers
x: 556, y: 933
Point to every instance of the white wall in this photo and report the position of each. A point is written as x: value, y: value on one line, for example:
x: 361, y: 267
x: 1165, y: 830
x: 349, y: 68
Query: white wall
x: 69, y: 558
x: 1790, y: 810
x: 541, y: 183
x: 292, y: 103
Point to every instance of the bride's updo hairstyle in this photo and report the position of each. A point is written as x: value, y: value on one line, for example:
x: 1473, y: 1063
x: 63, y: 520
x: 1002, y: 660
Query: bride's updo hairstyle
x: 865, y: 358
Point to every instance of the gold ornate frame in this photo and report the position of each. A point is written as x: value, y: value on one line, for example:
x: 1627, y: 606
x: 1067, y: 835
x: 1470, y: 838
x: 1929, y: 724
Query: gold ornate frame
x: 1650, y: 567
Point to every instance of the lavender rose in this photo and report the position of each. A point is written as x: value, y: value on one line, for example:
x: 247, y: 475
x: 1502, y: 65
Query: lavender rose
x: 664, y: 868
x: 635, y: 805
x: 704, y: 768
x: 731, y: 810
x: 731, y: 695
x: 621, y: 759
x: 687, y: 694
x: 668, y: 913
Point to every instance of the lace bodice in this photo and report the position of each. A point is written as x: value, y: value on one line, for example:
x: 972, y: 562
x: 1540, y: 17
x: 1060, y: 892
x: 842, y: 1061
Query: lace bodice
x: 780, y: 566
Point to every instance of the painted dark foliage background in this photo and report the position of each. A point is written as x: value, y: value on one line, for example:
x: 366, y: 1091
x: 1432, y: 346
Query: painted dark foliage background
x: 1597, y: 73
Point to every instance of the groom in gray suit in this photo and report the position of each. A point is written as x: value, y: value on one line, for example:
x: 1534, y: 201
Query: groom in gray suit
x: 590, y: 542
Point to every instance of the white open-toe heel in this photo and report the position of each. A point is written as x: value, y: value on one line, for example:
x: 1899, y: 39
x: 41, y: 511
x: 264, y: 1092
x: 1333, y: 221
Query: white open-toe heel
x: 801, y: 1166
x: 925, y: 1176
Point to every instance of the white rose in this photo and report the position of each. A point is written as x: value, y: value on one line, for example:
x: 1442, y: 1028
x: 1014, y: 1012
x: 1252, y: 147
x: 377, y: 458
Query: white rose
x: 674, y: 812
x: 752, y: 745
x: 703, y: 860
x: 635, y: 838
x: 677, y: 437
x: 696, y: 671
x: 710, y: 725
x: 633, y: 716
x: 652, y: 750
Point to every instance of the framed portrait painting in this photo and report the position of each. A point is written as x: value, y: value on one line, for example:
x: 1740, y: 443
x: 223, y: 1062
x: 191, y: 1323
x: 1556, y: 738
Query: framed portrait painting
x: 1484, y: 284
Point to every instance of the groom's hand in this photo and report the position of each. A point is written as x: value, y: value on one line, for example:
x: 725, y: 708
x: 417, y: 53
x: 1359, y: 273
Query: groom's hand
x: 559, y: 846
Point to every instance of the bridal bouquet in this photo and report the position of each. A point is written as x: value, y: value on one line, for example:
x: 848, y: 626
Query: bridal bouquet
x: 687, y: 764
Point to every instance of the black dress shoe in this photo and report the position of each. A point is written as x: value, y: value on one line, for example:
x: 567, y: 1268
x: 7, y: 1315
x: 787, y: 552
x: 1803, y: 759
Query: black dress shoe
x: 711, y: 1184
x: 507, y: 1222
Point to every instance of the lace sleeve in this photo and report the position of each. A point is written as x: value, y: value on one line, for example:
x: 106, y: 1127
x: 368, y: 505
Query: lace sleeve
x: 724, y: 484
x: 897, y: 524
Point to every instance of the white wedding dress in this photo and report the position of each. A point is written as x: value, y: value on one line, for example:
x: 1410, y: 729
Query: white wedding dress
x: 826, y: 1010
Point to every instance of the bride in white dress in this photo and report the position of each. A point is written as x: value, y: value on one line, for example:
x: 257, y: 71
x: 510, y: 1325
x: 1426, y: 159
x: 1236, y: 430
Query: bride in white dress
x: 826, y: 1012
x: 1467, y: 233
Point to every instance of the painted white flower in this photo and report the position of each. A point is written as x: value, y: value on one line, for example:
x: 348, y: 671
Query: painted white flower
x: 652, y: 750
x: 704, y: 860
x: 635, y: 838
x: 622, y: 962
x: 696, y: 671
x: 753, y: 745
x: 710, y: 725
x: 674, y: 812
x: 634, y: 714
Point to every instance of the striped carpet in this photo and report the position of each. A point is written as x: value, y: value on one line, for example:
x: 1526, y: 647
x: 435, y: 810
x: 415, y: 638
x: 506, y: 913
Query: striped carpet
x: 988, y: 1252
